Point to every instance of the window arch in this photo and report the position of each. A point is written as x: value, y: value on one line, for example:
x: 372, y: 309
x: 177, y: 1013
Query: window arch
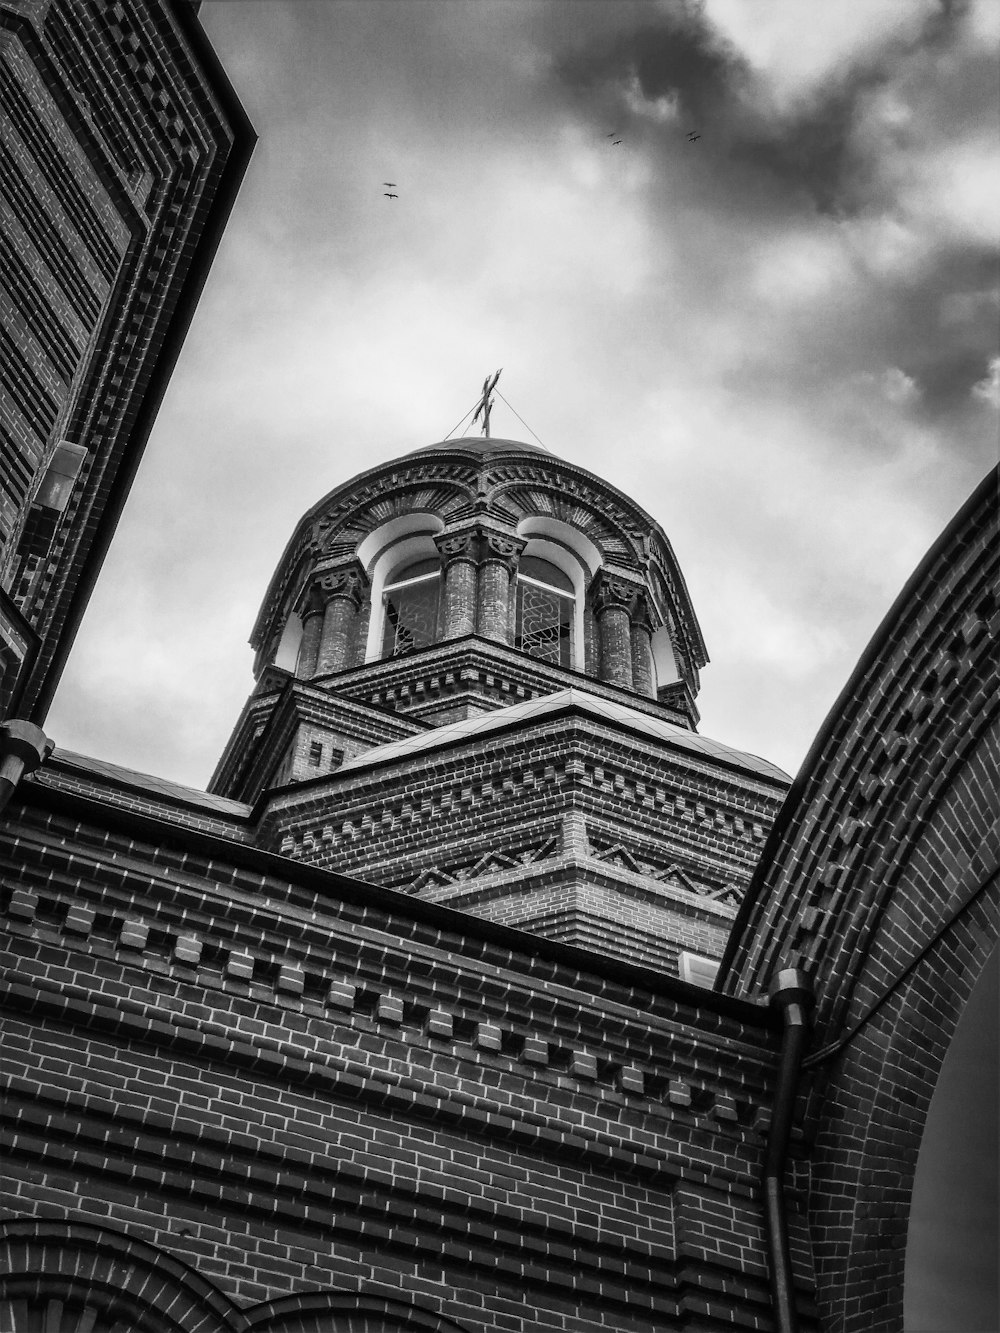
x: 387, y: 554
x: 545, y: 611
x: 410, y: 603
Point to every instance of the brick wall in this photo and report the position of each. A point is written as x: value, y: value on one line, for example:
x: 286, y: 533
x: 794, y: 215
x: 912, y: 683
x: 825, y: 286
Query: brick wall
x: 122, y: 147
x: 881, y: 879
x: 287, y: 1081
x: 664, y: 841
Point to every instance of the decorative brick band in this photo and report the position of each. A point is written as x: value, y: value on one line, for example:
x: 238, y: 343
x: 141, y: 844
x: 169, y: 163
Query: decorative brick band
x: 292, y: 983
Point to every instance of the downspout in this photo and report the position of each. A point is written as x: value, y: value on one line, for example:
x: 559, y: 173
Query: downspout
x: 791, y: 993
x: 23, y: 747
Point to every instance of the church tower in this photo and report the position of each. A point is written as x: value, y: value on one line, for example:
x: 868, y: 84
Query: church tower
x: 476, y: 669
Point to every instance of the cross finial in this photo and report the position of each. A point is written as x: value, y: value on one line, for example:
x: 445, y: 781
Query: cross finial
x: 486, y: 403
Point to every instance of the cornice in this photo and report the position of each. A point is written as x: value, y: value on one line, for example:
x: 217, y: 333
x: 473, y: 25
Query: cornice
x: 517, y: 675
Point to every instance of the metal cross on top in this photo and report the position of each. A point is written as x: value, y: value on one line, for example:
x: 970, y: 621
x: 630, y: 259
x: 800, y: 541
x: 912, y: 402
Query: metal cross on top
x: 486, y: 403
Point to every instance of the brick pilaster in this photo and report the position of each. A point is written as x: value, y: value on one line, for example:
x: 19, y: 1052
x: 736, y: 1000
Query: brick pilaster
x: 311, y: 612
x: 500, y: 553
x: 613, y: 602
x: 643, y: 680
x: 341, y: 590
x: 459, y: 558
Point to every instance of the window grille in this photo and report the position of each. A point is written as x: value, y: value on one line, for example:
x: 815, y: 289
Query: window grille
x: 544, y: 621
x: 411, y: 612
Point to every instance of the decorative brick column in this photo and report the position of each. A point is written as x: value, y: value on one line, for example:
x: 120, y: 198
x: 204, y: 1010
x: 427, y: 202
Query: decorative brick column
x: 311, y: 613
x: 613, y: 601
x: 498, y: 565
x: 341, y: 590
x: 643, y: 680
x: 459, y: 556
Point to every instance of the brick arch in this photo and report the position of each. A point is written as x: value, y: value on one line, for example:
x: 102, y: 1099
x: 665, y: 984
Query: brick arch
x: 347, y: 1312
x: 867, y: 1109
x: 880, y: 879
x: 616, y: 543
x: 335, y: 526
x: 54, y: 1272
x: 447, y: 500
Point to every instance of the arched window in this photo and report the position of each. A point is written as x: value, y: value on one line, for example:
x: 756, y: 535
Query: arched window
x: 410, y: 608
x: 545, y: 611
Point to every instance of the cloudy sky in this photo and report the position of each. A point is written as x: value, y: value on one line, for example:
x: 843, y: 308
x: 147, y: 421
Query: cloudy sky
x: 779, y: 337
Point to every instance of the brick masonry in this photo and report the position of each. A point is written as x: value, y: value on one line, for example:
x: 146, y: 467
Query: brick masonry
x: 880, y: 878
x: 244, y: 1090
x: 289, y: 1081
x: 121, y: 147
x: 666, y: 834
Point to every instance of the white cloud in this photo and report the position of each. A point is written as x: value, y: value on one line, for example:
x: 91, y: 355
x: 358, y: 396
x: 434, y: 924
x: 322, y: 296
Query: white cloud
x: 989, y: 388
x: 796, y: 46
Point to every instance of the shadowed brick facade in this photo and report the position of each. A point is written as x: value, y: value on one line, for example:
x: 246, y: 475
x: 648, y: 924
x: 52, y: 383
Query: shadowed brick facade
x: 121, y: 149
x: 288, y: 1081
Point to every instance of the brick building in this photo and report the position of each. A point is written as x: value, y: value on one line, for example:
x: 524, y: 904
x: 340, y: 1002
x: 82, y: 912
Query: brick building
x: 122, y: 146
x: 470, y: 1084
x: 477, y: 669
x: 408, y: 1023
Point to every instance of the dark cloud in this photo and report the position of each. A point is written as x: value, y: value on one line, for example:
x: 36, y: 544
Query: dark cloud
x: 808, y: 156
x: 816, y: 151
x: 679, y: 56
x: 941, y: 327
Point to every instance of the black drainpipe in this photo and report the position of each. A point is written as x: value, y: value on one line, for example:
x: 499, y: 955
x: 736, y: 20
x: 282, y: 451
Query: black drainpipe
x: 790, y: 991
x: 23, y: 746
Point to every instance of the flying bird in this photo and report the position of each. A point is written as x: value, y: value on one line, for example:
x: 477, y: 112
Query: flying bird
x: 615, y: 143
x: 389, y: 185
x: 692, y: 137
x: 387, y: 195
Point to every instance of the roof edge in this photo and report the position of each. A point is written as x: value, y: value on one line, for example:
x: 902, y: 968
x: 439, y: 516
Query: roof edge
x: 795, y: 800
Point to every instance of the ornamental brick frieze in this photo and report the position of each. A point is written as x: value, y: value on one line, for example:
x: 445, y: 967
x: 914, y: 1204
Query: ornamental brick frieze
x: 613, y: 543
x: 866, y: 807
x: 313, y: 982
x: 555, y: 479
x: 436, y: 489
x: 366, y: 821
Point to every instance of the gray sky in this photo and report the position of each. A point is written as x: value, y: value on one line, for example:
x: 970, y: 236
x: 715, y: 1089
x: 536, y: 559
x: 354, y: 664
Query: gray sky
x: 780, y: 338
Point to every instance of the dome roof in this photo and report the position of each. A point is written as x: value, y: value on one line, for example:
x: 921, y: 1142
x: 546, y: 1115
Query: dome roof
x: 479, y: 444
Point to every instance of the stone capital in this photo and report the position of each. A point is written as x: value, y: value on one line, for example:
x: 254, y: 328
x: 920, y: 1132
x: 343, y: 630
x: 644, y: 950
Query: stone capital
x: 458, y: 546
x: 348, y: 581
x: 608, y: 591
x: 502, y: 547
x: 479, y: 545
